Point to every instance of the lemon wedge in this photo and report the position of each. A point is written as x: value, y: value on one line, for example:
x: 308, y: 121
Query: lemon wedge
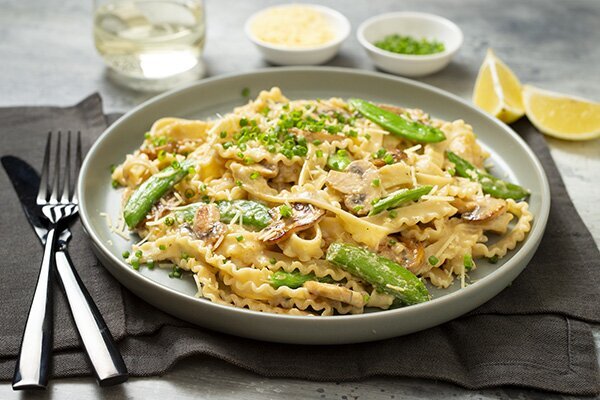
x: 498, y: 90
x: 560, y: 115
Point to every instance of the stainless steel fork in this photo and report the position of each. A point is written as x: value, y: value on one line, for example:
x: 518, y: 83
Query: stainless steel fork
x: 58, y: 203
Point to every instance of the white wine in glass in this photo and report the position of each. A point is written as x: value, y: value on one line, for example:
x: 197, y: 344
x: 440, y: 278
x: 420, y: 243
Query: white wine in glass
x: 151, y: 44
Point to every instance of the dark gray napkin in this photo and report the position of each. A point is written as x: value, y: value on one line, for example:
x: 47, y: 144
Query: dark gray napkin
x: 534, y: 334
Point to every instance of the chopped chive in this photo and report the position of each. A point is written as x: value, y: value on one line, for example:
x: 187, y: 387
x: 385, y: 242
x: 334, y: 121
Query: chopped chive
x: 272, y: 261
x: 189, y: 193
x: 112, y: 168
x: 245, y: 92
x: 243, y: 122
x: 451, y: 171
x: 162, y: 247
x: 393, y: 213
x: 239, y: 238
x: 238, y: 183
x: 254, y: 175
x: 392, y: 242
x: 175, y: 273
x: 185, y: 256
x: 223, y: 134
x: 433, y: 260
x: 357, y: 209
x: 376, y: 182
x: 468, y: 261
x: 115, y: 184
x: 319, y: 153
x: 285, y: 211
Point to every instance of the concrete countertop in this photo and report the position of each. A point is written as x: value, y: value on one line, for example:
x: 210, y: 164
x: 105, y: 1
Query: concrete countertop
x: 48, y: 58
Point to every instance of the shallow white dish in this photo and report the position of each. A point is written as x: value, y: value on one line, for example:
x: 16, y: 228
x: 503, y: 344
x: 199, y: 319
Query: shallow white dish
x: 416, y: 24
x: 510, y: 155
x: 284, y: 55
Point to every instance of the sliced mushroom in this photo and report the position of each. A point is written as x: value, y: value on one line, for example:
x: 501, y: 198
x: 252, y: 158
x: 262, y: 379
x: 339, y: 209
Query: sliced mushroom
x: 357, y: 184
x: 408, y: 253
x: 303, y: 217
x: 397, y: 154
x: 483, y: 209
x: 334, y: 292
x: 207, y: 225
x: 311, y: 136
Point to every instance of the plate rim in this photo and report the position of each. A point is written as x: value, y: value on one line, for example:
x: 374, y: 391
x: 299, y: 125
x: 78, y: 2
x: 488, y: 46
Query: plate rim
x: 527, y: 250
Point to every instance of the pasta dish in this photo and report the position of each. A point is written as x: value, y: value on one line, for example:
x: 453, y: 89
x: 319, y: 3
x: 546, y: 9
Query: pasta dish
x: 317, y: 207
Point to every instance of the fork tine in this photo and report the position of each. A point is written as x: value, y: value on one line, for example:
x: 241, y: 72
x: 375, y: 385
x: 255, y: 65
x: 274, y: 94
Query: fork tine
x: 43, y: 190
x: 56, y: 179
x: 78, y: 160
x: 66, y: 184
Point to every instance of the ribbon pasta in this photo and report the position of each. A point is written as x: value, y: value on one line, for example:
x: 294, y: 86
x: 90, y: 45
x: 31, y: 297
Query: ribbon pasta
x: 275, y: 154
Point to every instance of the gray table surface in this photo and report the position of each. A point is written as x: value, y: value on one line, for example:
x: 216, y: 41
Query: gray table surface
x: 47, y: 57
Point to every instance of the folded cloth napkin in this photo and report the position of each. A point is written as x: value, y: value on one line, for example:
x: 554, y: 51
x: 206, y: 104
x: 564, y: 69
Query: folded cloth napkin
x: 534, y: 334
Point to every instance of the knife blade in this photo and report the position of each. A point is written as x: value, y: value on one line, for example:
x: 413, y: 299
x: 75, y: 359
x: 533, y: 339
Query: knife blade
x: 94, y: 334
x: 26, y: 183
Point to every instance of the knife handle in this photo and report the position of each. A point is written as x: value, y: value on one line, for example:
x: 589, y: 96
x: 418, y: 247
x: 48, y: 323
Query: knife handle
x: 33, y: 361
x: 98, y: 343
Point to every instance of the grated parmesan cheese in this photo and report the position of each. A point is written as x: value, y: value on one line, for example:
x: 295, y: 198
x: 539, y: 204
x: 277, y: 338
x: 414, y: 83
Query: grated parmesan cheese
x: 292, y: 26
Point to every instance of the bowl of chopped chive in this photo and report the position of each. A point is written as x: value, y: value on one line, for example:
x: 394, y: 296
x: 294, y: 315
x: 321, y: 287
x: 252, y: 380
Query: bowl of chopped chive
x: 410, y: 43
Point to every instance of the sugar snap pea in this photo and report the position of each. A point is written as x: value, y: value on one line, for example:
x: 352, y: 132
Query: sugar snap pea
x: 491, y: 185
x: 294, y: 279
x: 384, y: 274
x: 339, y: 160
x: 399, y: 197
x: 149, y: 192
x: 397, y: 125
x: 252, y: 213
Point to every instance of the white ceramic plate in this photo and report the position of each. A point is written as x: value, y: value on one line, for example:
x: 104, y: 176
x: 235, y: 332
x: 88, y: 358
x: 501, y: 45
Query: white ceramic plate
x: 510, y: 155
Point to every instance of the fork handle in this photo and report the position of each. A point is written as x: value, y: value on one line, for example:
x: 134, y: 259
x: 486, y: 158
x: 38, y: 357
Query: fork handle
x: 98, y: 343
x: 33, y: 362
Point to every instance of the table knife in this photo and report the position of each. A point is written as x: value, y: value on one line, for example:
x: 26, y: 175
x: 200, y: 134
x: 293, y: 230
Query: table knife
x: 97, y: 341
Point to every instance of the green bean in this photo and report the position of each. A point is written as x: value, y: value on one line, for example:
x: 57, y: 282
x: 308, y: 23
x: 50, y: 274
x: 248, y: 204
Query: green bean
x: 149, y: 192
x: 491, y: 185
x: 339, y: 160
x: 396, y: 124
x: 384, y: 274
x: 398, y: 198
x: 294, y: 279
x: 252, y: 213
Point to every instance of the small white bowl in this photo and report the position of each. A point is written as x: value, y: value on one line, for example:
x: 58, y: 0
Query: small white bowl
x: 418, y: 25
x: 285, y: 55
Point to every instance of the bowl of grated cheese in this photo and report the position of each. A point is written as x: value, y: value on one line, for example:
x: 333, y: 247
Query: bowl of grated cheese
x: 297, y: 34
